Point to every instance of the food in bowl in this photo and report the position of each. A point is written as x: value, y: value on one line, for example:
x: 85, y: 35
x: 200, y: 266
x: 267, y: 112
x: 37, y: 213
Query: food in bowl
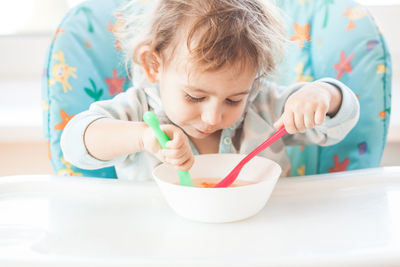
x: 219, y: 205
x: 210, y: 182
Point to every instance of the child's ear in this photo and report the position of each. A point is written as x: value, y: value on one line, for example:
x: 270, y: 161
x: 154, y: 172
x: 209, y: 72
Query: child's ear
x: 151, y: 62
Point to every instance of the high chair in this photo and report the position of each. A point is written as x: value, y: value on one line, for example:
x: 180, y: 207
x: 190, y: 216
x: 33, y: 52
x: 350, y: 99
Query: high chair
x: 336, y: 39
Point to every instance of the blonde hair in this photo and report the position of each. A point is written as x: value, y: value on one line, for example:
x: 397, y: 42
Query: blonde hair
x: 220, y: 32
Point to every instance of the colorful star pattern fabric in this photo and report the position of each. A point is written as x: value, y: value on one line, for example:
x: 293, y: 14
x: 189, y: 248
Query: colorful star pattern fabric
x: 65, y: 118
x: 301, y: 34
x: 353, y: 14
x: 344, y: 65
x: 115, y: 84
x: 339, y: 166
x: 335, y: 38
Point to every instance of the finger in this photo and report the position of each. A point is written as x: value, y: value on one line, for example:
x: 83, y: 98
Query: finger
x: 175, y: 153
x: 176, y: 136
x: 288, y: 121
x: 320, y: 116
x: 176, y: 156
x: 154, y: 146
x: 178, y: 161
x: 299, y: 122
x: 309, y: 118
x: 186, y: 165
x: 279, y: 123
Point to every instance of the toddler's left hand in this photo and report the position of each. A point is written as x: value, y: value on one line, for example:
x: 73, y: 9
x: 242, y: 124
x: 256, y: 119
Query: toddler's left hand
x: 308, y: 107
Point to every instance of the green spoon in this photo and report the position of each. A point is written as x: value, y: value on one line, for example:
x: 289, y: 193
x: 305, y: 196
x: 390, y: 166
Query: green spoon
x: 151, y: 119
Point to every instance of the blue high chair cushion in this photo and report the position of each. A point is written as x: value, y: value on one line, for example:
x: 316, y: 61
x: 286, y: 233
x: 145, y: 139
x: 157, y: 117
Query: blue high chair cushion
x: 83, y: 65
x: 339, y: 39
x: 328, y: 39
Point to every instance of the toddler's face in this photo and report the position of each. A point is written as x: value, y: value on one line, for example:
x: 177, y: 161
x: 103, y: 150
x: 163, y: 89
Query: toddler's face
x: 201, y: 103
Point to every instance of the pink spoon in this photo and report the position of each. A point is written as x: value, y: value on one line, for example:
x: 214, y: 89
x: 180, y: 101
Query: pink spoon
x: 231, y: 177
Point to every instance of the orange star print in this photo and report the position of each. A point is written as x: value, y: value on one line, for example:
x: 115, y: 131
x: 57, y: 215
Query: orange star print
x: 65, y: 118
x: 113, y: 28
x: 343, y: 65
x: 353, y: 14
x: 302, y: 34
x: 115, y: 84
x: 382, y: 114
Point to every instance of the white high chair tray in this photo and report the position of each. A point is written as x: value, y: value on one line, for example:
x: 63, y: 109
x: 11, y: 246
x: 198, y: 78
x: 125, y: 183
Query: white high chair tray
x: 350, y: 218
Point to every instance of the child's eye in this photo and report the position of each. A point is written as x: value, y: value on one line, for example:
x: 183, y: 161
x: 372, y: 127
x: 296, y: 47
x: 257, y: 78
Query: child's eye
x: 233, y: 102
x: 194, y: 99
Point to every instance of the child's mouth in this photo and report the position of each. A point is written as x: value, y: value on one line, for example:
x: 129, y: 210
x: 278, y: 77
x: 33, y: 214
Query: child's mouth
x: 204, y: 132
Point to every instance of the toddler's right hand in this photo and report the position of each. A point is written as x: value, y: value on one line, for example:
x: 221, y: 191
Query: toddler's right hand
x: 178, y: 152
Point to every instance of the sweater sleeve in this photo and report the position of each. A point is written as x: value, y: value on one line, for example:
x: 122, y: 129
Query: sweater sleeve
x: 128, y: 106
x: 271, y: 100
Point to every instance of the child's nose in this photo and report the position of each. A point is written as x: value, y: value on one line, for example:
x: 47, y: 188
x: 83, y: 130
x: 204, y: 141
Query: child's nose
x: 212, y: 115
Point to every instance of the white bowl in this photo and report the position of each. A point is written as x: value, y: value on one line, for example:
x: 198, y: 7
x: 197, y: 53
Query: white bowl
x: 218, y: 205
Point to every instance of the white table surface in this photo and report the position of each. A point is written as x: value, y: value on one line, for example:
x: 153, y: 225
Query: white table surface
x: 350, y: 218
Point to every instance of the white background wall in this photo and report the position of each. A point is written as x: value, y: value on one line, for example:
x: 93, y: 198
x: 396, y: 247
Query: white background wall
x: 22, y: 148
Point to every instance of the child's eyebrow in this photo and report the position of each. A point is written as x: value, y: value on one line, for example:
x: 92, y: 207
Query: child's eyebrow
x: 245, y: 92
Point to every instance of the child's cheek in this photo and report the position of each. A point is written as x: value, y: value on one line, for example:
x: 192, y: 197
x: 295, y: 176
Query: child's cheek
x: 234, y: 115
